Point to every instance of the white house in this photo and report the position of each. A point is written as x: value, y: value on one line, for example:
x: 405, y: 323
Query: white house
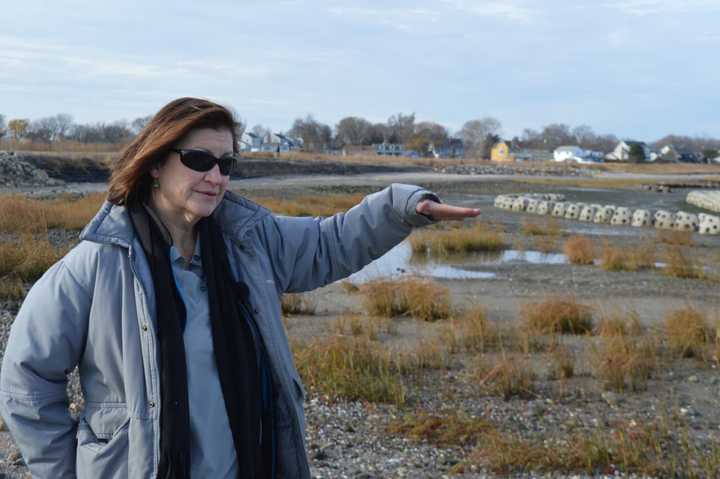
x: 622, y: 151
x: 576, y: 154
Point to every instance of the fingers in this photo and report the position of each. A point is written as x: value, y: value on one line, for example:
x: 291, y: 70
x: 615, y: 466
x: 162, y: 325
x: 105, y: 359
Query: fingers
x: 441, y: 211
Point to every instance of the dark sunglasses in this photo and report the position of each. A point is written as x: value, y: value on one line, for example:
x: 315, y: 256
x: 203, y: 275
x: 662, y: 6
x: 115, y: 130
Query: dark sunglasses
x: 202, y: 161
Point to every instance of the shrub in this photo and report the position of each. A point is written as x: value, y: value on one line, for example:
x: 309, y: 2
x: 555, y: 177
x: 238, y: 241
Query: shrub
x: 673, y: 237
x: 471, y: 331
x: 558, y: 315
x: 579, y: 250
x: 418, y: 298
x: 550, y: 227
x: 686, y: 332
x: 619, y: 323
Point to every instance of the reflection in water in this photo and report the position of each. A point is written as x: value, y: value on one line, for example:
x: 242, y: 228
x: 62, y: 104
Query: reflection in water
x: 399, y: 261
x: 396, y: 263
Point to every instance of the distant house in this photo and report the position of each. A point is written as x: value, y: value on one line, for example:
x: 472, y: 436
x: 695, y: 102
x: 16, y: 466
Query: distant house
x: 622, y: 151
x: 501, y: 151
x: 389, y: 149
x: 686, y: 156
x: 250, y: 142
x: 280, y: 143
x: 576, y: 154
x: 453, y: 148
x: 668, y: 154
x: 531, y: 154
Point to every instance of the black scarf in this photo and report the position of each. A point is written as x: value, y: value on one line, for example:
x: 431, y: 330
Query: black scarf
x: 238, y: 353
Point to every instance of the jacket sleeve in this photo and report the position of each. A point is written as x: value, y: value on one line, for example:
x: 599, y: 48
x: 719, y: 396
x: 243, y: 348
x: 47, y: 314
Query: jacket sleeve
x: 45, y: 344
x: 307, y: 253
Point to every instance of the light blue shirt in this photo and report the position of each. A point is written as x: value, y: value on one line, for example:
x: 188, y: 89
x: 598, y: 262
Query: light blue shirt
x: 211, y: 443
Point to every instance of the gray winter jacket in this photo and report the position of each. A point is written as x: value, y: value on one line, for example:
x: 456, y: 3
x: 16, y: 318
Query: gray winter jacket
x: 95, y: 308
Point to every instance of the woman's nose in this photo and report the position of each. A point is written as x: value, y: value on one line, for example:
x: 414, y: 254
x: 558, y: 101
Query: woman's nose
x: 214, y: 175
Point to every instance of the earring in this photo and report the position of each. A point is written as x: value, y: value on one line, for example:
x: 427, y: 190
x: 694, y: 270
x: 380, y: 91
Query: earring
x: 156, y: 183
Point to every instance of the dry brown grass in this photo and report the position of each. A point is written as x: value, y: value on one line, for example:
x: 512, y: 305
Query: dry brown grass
x: 445, y: 429
x: 649, y: 450
x: 534, y: 227
x: 349, y: 287
x: 370, y: 327
x: 11, y: 288
x: 679, y: 263
x: 624, y: 363
x: 673, y: 237
x: 562, y: 362
x: 29, y: 257
x: 298, y: 303
x: 471, y: 331
x: 619, y: 323
x: 425, y: 354
x: 628, y: 258
x: 687, y: 332
x: 456, y: 241
x: 418, y: 298
x: 557, y: 314
x: 545, y: 244
x: 65, y: 148
x: 510, y: 376
x: 350, y: 368
x: 318, y: 205
x: 579, y: 249
x: 19, y: 214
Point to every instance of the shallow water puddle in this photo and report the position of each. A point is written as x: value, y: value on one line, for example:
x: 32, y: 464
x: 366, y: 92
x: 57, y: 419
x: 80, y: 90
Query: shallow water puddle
x: 396, y: 263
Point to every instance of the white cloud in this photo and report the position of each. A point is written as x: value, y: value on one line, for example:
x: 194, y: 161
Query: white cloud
x: 662, y: 7
x: 505, y: 10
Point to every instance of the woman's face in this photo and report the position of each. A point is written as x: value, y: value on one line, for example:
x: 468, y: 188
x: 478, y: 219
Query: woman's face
x: 186, y: 195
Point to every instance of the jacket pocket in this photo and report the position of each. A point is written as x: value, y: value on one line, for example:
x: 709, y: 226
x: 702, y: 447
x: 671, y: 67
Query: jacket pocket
x: 102, y: 447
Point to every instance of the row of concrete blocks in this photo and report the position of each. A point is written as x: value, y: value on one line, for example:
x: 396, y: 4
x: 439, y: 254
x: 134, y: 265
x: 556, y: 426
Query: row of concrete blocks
x: 611, y: 214
x: 709, y: 200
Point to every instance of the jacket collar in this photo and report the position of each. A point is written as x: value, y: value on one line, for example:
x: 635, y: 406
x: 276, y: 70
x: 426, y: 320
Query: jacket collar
x: 111, y: 225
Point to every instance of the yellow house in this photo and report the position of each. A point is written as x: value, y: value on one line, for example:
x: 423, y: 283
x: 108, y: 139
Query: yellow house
x: 501, y: 152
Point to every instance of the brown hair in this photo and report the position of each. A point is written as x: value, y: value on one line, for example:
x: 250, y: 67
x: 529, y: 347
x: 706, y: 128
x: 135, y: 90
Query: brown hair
x: 130, y: 178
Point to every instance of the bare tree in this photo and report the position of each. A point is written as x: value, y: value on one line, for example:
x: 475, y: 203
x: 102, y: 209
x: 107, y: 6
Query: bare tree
x: 316, y: 136
x: 474, y: 134
x: 139, y: 123
x: 425, y: 134
x: 400, y: 127
x: 3, y: 128
x: 353, y: 130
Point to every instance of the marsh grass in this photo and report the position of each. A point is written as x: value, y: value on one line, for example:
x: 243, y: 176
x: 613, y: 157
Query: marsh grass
x: 557, y: 314
x: 657, y: 449
x: 507, y: 376
x: 562, y: 362
x: 534, y: 227
x: 350, y: 368
x: 673, y: 237
x: 444, y: 243
x: 319, y: 205
x: 368, y: 326
x: 619, y: 323
x: 681, y: 264
x: 579, y: 249
x: 22, y: 215
x: 415, y: 297
x: 29, y: 257
x: 445, y: 429
x: 298, y: 303
x: 628, y: 258
x: 12, y: 288
x: 425, y: 354
x: 624, y: 363
x: 471, y: 331
x: 687, y: 333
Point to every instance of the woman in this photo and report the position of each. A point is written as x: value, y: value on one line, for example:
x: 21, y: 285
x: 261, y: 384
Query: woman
x: 170, y: 306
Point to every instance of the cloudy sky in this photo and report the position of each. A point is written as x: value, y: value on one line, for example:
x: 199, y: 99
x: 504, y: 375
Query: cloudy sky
x: 636, y: 68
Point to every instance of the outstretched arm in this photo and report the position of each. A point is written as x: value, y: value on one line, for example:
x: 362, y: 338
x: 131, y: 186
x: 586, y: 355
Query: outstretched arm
x: 307, y: 253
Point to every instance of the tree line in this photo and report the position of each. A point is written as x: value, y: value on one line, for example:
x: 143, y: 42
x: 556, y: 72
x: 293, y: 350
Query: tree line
x: 477, y: 135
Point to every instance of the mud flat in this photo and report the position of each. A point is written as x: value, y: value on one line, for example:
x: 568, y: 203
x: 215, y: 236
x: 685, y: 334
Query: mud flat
x: 677, y: 401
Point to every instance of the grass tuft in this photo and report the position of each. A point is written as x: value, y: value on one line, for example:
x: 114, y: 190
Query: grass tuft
x: 351, y: 369
x: 549, y: 227
x: 456, y: 241
x: 12, y: 288
x: 679, y: 264
x: 418, y: 298
x: 579, y: 250
x: 628, y: 258
x: 558, y: 314
x: 510, y: 376
x: 674, y: 237
x: 624, y: 363
x: 298, y: 303
x: 687, y: 332
x: 444, y: 430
